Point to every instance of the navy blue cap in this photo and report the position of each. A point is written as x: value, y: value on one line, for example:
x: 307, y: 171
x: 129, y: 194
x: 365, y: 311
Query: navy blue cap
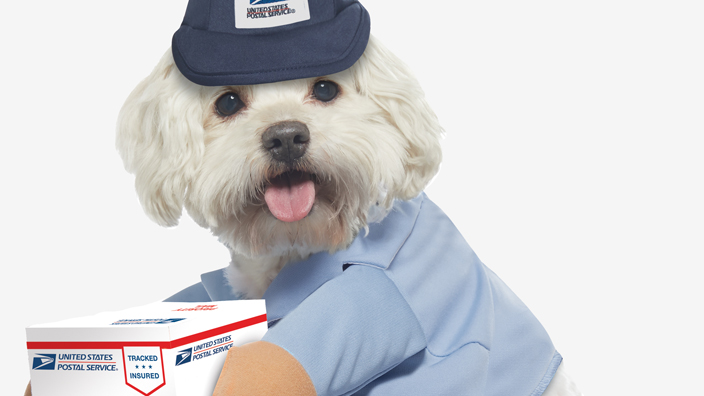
x: 242, y: 42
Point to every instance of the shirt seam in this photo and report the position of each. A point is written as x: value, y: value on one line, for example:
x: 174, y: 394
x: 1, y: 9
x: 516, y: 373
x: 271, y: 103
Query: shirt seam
x: 425, y: 338
x: 408, y: 235
x: 405, y: 299
x: 425, y: 335
x: 549, y: 374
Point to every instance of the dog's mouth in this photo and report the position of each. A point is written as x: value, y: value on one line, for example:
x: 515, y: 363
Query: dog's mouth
x: 290, y: 195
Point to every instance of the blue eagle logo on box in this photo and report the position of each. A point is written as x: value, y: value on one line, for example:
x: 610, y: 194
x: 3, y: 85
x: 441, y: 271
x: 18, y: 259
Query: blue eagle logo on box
x: 184, y: 356
x: 44, y: 362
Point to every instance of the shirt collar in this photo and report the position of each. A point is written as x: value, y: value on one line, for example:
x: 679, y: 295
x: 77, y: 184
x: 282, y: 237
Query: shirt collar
x: 217, y: 287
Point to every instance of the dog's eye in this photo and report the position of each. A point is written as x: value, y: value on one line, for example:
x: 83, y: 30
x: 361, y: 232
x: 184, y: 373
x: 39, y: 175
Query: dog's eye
x: 325, y: 91
x: 228, y: 104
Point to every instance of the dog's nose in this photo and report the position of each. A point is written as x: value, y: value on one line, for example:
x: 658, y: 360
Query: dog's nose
x: 287, y: 140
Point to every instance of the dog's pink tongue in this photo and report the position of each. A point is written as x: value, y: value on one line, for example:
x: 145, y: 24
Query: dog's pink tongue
x: 290, y: 200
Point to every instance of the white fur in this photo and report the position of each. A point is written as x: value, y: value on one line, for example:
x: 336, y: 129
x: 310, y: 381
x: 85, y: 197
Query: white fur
x: 377, y: 142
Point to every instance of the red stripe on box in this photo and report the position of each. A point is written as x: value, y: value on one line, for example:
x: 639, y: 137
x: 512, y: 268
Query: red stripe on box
x: 217, y: 331
x: 163, y: 344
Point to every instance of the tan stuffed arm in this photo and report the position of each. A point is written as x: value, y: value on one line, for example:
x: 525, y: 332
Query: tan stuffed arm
x: 262, y: 368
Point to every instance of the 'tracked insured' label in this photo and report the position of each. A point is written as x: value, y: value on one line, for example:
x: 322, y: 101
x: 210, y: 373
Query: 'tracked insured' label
x: 144, y: 368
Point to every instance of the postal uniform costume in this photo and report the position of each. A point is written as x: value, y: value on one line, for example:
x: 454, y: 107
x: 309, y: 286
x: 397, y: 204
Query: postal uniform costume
x: 407, y: 309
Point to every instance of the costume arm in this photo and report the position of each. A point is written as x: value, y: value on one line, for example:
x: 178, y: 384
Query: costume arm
x: 350, y: 331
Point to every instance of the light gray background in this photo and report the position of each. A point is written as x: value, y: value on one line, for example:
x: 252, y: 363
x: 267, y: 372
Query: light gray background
x: 573, y: 166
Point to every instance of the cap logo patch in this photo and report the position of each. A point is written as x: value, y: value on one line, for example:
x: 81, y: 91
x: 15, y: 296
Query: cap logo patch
x: 254, y: 14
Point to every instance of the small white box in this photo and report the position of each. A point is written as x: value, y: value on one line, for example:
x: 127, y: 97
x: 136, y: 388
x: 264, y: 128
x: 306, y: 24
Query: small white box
x: 161, y: 349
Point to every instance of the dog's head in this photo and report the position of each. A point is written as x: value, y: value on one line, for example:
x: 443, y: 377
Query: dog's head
x: 289, y: 167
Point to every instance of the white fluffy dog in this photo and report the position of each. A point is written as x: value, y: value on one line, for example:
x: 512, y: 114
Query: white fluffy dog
x: 284, y: 170
x: 377, y: 140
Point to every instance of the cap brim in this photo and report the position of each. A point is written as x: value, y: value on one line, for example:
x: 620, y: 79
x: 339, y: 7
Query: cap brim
x: 213, y: 58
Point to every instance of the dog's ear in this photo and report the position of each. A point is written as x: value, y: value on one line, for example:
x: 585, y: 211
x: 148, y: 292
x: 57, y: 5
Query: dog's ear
x: 160, y: 139
x: 384, y: 78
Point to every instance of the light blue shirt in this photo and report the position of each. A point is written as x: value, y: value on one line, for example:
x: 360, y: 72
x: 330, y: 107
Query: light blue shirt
x: 408, y: 309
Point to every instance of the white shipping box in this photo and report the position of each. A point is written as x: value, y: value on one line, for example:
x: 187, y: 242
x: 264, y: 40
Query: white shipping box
x: 161, y: 349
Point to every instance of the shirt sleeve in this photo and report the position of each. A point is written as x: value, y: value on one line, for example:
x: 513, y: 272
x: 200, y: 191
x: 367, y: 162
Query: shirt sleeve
x: 350, y: 331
